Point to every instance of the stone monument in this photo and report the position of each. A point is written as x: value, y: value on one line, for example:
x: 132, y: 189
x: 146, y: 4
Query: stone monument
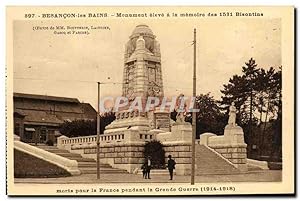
x: 231, y: 145
x: 142, y: 77
x: 123, y: 141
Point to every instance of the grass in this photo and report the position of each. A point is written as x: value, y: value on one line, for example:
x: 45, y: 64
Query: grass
x: 27, y: 166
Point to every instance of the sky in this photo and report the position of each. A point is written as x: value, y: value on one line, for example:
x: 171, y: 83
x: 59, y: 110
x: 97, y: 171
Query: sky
x: 71, y: 66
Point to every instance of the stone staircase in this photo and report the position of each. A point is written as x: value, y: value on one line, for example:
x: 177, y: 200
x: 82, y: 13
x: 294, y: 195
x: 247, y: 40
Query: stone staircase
x: 85, y: 165
x: 157, y: 172
x: 208, y: 162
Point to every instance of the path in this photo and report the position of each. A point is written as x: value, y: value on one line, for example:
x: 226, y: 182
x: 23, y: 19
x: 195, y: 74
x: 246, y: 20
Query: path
x: 255, y: 176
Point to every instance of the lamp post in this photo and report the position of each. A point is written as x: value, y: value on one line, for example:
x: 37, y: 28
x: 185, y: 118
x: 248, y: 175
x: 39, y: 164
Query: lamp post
x: 98, y: 132
x: 194, y: 116
x: 99, y: 123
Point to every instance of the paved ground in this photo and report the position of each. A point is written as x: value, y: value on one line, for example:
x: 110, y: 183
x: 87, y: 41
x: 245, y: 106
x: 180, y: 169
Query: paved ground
x: 254, y: 176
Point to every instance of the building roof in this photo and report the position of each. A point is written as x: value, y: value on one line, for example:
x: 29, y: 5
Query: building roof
x: 39, y: 116
x: 89, y: 111
x: 53, y: 111
x: 45, y: 97
x: 19, y: 113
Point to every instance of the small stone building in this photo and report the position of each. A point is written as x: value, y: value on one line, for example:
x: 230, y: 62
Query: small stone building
x: 37, y: 117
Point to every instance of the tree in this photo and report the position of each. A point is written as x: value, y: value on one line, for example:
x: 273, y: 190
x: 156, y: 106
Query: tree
x: 235, y: 91
x: 257, y: 95
x: 106, y: 119
x: 262, y: 83
x: 155, y: 150
x: 250, y: 74
x: 209, y: 118
x: 81, y: 127
x: 266, y: 81
x: 78, y: 128
x: 276, y: 105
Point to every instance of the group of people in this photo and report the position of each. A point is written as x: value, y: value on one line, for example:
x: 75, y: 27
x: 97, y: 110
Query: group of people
x: 148, y: 165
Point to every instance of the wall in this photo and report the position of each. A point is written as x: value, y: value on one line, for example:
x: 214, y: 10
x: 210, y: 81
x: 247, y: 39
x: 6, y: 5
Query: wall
x: 181, y: 152
x: 67, y: 164
x: 127, y: 156
x: 127, y: 152
x: 231, y: 145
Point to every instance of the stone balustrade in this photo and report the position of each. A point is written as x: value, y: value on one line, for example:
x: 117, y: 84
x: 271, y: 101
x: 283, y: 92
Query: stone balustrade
x: 91, y: 139
x: 112, y: 138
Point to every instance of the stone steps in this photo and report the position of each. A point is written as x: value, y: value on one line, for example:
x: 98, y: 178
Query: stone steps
x: 85, y: 165
x: 68, y: 155
x: 208, y: 163
x: 102, y: 170
x: 43, y: 146
x: 56, y: 151
x: 78, y: 159
x: 157, y: 172
x: 92, y: 164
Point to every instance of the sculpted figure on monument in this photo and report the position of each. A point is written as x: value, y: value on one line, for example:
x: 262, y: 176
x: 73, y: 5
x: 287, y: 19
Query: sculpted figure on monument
x: 180, y: 117
x: 180, y: 109
x: 232, y: 115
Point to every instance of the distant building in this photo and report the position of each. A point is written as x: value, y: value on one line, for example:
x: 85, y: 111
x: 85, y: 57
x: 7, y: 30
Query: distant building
x: 37, y: 117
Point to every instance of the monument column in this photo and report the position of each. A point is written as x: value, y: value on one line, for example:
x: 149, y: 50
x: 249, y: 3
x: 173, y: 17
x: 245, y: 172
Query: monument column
x: 142, y: 78
x: 141, y: 75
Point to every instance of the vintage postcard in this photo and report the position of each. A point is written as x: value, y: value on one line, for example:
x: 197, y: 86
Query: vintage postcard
x: 145, y: 101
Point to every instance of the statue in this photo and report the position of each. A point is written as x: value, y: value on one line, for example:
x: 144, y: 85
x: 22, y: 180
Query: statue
x: 232, y: 115
x: 180, y: 117
x: 181, y: 109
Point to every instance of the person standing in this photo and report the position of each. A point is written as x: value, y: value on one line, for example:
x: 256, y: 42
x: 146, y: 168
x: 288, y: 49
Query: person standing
x: 144, y: 168
x: 148, y: 167
x: 171, y: 166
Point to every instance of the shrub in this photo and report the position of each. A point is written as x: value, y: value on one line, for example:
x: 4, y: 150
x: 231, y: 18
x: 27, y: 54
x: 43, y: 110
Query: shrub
x: 82, y: 127
x: 155, y: 150
x: 78, y: 128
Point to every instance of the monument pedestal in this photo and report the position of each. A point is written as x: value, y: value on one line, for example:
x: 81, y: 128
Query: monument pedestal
x: 180, y: 132
x: 181, y: 152
x: 231, y: 145
x: 162, y: 120
x: 126, y: 120
x: 177, y: 143
x: 234, y: 134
